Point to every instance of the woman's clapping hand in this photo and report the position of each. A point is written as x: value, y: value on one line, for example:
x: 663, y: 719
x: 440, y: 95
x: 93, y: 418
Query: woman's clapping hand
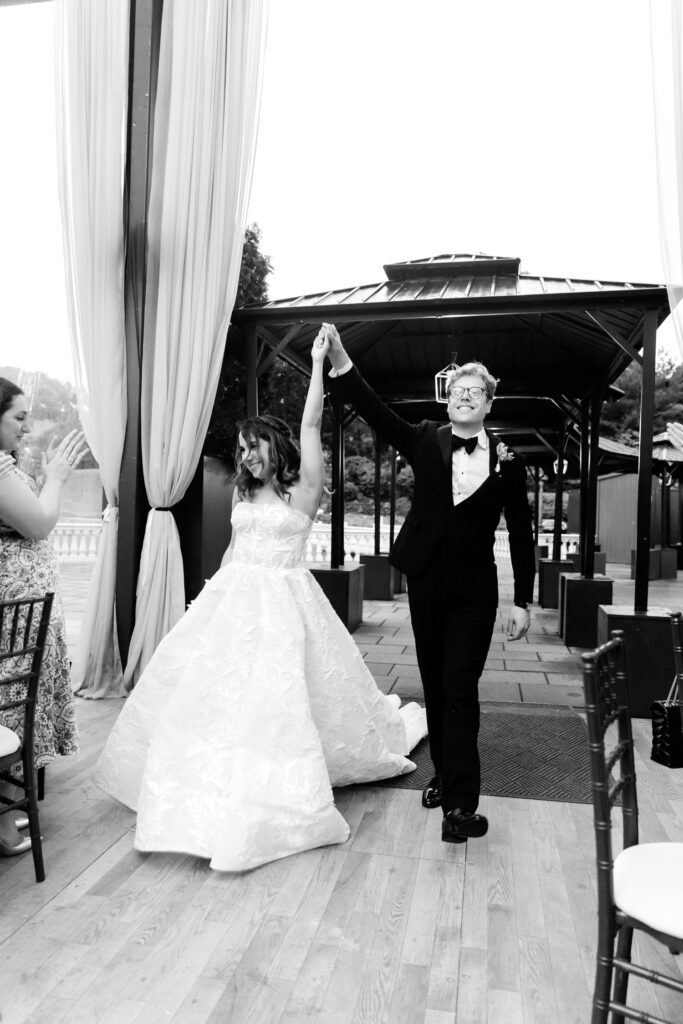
x: 61, y: 458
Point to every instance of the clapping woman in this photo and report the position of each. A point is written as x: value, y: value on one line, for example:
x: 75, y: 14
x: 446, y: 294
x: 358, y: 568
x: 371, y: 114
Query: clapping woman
x: 28, y: 568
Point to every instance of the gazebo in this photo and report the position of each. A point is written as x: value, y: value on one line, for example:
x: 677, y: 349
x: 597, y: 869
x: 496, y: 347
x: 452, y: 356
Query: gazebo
x: 557, y: 344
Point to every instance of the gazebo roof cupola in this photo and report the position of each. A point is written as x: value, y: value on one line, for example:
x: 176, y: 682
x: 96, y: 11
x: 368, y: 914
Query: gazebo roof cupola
x: 454, y: 265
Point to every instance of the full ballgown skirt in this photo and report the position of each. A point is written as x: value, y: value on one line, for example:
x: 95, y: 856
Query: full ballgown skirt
x: 252, y: 707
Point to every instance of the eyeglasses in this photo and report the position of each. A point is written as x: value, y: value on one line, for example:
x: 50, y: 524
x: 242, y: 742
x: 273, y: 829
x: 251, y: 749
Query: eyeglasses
x: 474, y: 392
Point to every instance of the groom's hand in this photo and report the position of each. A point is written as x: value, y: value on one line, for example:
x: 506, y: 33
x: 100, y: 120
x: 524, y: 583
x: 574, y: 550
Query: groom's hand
x: 519, y: 620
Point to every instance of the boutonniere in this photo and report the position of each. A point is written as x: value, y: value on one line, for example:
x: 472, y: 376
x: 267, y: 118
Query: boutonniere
x: 504, y: 455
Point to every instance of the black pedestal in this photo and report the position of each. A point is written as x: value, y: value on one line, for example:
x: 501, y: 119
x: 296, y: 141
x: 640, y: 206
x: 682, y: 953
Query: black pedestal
x: 580, y: 599
x: 649, y: 652
x: 382, y: 580
x: 541, y: 551
x: 599, y: 562
x: 654, y: 565
x: 343, y: 588
x: 549, y: 579
x: 668, y: 563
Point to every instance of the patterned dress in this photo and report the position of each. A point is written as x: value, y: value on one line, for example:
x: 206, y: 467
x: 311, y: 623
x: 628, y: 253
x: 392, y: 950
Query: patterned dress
x: 28, y: 568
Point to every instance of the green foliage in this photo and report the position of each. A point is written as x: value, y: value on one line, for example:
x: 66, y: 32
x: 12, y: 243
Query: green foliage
x: 621, y: 420
x: 230, y: 403
x: 254, y: 269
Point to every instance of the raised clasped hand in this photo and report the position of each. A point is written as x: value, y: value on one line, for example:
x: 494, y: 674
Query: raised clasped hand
x: 321, y: 345
x: 60, y: 459
x: 332, y: 335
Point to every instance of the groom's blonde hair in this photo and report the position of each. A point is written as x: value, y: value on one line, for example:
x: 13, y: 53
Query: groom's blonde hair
x: 473, y: 369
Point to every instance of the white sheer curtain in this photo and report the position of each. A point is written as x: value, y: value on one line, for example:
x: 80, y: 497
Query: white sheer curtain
x: 91, y: 64
x: 666, y: 21
x: 208, y: 94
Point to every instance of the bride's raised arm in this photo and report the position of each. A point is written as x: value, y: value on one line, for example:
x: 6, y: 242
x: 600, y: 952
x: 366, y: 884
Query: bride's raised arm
x: 312, y: 473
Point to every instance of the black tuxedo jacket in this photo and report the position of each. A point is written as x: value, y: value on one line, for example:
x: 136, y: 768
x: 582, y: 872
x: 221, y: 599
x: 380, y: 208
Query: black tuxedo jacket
x: 438, y: 537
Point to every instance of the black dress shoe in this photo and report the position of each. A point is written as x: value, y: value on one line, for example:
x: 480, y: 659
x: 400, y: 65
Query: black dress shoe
x: 431, y: 794
x: 459, y: 826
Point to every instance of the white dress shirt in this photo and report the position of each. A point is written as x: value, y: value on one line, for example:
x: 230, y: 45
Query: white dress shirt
x: 468, y: 472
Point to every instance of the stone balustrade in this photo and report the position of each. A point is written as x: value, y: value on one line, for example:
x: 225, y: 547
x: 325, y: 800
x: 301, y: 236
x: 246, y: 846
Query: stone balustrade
x: 75, y: 540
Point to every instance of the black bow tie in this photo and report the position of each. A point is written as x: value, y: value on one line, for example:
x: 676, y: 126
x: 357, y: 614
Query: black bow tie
x: 468, y: 443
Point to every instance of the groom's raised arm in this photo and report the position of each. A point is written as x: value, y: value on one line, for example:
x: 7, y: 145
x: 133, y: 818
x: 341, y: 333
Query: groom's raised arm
x: 344, y: 378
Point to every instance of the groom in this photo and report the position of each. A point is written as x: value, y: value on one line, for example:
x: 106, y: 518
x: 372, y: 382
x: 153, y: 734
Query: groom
x: 463, y: 482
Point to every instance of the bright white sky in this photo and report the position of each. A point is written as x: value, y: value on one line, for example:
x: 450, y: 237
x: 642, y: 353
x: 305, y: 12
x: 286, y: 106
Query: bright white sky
x: 390, y: 130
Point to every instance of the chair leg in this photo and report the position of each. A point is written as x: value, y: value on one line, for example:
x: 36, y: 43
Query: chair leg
x: 603, y: 970
x: 34, y: 830
x: 40, y: 774
x: 624, y: 943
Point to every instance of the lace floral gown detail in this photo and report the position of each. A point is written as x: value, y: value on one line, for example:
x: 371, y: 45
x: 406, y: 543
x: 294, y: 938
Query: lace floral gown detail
x: 252, y: 708
x: 28, y: 568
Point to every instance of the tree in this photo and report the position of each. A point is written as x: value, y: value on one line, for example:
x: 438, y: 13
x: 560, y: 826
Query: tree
x: 230, y: 406
x: 621, y: 419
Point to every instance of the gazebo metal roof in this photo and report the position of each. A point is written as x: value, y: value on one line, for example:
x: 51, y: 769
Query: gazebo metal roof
x: 551, y: 340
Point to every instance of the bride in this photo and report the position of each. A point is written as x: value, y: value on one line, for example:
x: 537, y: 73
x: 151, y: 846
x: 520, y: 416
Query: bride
x: 258, y: 701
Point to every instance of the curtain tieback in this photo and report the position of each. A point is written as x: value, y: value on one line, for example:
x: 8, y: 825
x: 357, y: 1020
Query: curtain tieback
x: 107, y: 511
x: 162, y: 508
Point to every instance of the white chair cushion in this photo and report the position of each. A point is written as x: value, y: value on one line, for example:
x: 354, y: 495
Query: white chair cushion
x: 648, y: 885
x: 9, y: 741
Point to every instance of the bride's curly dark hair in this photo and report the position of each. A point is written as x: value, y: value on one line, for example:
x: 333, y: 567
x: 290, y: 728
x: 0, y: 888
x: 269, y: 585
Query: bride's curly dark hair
x: 283, y: 454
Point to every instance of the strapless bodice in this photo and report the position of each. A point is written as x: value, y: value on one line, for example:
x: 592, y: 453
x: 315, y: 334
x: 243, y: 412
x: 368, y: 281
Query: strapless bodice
x: 272, y: 534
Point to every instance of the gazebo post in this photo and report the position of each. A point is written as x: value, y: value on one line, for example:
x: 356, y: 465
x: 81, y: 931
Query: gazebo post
x: 378, y: 481
x: 668, y: 555
x: 647, y: 409
x: 582, y: 593
x: 549, y: 569
x: 342, y: 584
x: 337, y: 525
x: 559, y: 495
x: 250, y: 350
x: 537, y: 493
x: 392, y: 497
x: 399, y: 585
x: 647, y: 631
x: 584, y: 454
x: 145, y: 34
x: 380, y: 575
x: 588, y: 548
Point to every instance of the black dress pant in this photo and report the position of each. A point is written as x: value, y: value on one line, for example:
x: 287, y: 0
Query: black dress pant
x: 452, y: 637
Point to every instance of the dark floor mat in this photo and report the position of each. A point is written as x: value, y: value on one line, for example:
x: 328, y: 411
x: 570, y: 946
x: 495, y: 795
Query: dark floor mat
x: 531, y: 751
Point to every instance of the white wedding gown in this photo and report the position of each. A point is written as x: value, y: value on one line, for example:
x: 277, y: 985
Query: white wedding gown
x: 252, y: 707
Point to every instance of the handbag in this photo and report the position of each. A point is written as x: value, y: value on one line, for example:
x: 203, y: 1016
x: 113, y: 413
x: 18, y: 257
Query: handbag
x: 667, y: 729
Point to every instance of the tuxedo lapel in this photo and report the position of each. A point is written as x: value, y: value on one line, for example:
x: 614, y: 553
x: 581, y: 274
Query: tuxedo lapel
x: 493, y: 454
x: 444, y: 435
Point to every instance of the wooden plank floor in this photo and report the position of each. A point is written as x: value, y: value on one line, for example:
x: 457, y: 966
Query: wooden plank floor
x: 393, y: 926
